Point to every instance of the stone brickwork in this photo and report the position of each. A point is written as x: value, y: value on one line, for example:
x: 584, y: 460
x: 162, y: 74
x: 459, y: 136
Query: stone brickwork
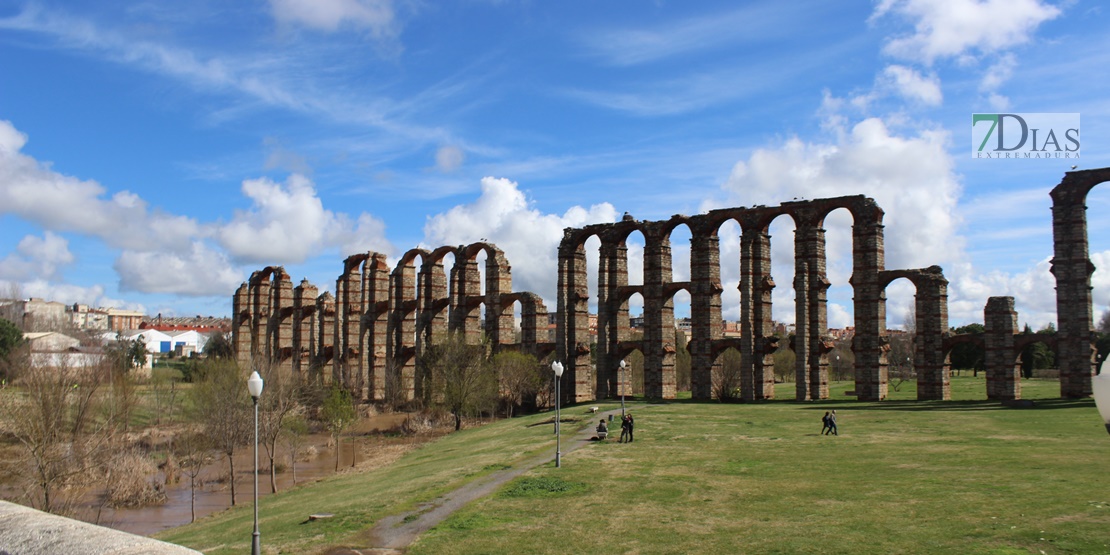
x: 758, y: 342
x: 1072, y: 267
x: 370, y: 334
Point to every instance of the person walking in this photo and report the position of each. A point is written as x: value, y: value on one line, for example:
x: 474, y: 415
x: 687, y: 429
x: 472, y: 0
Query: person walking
x: 824, y: 423
x: 832, y: 424
x: 624, y: 429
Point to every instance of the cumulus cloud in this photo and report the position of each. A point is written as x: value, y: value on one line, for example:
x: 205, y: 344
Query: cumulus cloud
x: 376, y: 16
x: 530, y: 238
x: 955, y: 28
x: 37, y: 258
x: 34, y: 192
x: 200, y: 271
x: 287, y: 223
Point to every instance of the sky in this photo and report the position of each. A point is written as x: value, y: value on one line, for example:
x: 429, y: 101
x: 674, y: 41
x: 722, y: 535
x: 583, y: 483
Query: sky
x: 153, y: 154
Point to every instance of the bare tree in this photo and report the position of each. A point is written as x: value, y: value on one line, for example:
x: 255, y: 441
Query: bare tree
x: 294, y: 429
x: 54, y: 413
x: 222, y: 406
x: 519, y: 376
x: 281, y: 399
x: 193, y: 450
x: 726, y: 376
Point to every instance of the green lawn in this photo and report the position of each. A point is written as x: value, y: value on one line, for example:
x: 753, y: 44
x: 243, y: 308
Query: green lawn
x: 959, y: 477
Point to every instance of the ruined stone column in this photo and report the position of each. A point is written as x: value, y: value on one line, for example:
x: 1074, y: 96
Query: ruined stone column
x: 374, y: 337
x: 348, y: 292
x: 280, y: 326
x: 499, y: 314
x: 241, y: 320
x: 466, y: 315
x: 260, y: 315
x: 573, y: 337
x: 325, y: 334
x: 931, y: 306
x: 1071, y: 264
x: 757, y: 380
x: 304, y: 305
x: 705, y: 307
x: 811, y: 287
x: 659, y: 331
x: 1001, y: 360
x: 803, y: 238
x: 868, y: 344
x: 612, y: 274
x: 402, y: 329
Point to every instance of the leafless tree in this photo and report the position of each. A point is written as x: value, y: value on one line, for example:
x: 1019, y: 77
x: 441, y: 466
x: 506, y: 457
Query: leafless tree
x: 54, y: 411
x: 223, y: 407
x: 193, y: 449
x: 281, y: 398
x: 519, y: 376
x: 294, y: 430
x: 726, y: 376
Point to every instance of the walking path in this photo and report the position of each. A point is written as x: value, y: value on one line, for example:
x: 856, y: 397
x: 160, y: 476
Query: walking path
x: 394, y: 533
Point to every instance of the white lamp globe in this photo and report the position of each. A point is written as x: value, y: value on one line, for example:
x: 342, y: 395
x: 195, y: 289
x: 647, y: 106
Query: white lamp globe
x: 557, y: 368
x: 254, y: 385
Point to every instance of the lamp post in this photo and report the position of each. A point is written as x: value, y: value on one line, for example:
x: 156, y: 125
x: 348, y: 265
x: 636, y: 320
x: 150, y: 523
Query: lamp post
x: 1100, y: 387
x: 837, y: 369
x: 254, y: 386
x: 558, y: 369
x: 621, y: 386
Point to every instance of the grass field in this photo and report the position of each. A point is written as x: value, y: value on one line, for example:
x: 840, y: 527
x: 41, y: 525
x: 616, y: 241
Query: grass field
x: 964, y: 476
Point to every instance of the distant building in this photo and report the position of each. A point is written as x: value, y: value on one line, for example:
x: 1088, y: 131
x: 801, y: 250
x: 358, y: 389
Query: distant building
x: 81, y: 316
x: 200, y: 324
x: 120, y: 319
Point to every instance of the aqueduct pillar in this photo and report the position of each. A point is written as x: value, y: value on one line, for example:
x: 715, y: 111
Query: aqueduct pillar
x: 705, y: 307
x: 869, y: 345
x: 1000, y: 359
x: 757, y: 379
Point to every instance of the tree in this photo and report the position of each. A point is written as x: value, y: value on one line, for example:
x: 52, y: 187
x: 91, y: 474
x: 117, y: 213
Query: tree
x: 968, y: 355
x: 10, y: 337
x: 192, y: 449
x: 338, y: 414
x: 1037, y: 356
x: 462, y: 380
x: 900, y: 360
x: 726, y: 376
x: 219, y: 346
x: 785, y: 360
x: 281, y: 398
x: 293, y: 431
x: 222, y: 406
x: 519, y: 376
x: 54, y: 413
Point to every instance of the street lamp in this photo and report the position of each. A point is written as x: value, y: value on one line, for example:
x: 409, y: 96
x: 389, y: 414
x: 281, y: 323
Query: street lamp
x: 254, y: 386
x: 558, y: 369
x: 1100, y: 386
x: 837, y: 369
x: 621, y: 386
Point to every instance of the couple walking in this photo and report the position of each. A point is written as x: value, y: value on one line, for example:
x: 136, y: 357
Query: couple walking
x: 626, y: 428
x: 829, y: 423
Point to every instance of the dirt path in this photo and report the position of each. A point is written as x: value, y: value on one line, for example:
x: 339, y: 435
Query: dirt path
x: 394, y: 533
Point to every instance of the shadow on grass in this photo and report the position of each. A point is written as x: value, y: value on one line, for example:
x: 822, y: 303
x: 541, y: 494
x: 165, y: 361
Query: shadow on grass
x: 907, y: 405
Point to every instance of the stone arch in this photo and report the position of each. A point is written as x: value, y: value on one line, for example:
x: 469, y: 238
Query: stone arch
x: 572, y: 337
x: 402, y: 328
x: 264, y: 313
x: 931, y: 325
x: 1072, y: 268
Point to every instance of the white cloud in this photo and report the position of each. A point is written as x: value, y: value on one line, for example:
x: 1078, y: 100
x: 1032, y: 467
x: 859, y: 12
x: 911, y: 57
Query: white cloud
x: 913, y: 86
x: 529, y: 238
x: 955, y: 28
x: 449, y: 158
x: 377, y: 16
x: 201, y: 271
x: 288, y: 223
x: 31, y: 190
x: 37, y: 258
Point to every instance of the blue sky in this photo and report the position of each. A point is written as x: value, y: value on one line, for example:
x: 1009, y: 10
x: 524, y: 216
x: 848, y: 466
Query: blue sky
x: 153, y: 154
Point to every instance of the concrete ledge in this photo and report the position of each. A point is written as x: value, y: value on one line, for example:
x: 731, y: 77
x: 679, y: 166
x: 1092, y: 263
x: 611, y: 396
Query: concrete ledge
x: 27, y: 531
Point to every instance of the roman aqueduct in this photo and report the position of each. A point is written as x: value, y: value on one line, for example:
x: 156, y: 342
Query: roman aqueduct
x: 370, y: 334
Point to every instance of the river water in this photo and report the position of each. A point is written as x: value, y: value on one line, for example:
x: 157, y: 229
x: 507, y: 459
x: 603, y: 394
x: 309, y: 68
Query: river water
x: 215, y: 493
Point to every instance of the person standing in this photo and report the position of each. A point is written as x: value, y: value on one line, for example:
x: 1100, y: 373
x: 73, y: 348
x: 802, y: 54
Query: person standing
x: 624, y: 429
x: 631, y: 427
x: 832, y: 424
x: 824, y: 423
